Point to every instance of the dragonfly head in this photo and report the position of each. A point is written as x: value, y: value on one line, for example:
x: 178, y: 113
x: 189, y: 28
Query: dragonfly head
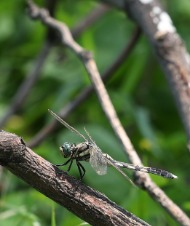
x: 66, y: 149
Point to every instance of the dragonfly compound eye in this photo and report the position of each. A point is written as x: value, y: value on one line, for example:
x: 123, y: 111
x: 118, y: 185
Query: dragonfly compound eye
x: 66, y: 149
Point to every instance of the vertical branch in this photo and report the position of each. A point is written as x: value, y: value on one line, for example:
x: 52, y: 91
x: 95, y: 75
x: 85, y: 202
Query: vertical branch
x: 168, y: 46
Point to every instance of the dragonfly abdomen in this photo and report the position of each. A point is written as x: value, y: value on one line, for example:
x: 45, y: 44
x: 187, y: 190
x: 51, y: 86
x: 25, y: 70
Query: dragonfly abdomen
x: 156, y: 171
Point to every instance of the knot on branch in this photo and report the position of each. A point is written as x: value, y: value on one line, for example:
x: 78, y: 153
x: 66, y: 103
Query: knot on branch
x: 85, y: 55
x: 167, y: 40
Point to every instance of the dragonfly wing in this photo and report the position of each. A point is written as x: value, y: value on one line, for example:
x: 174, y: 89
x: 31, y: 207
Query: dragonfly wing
x: 117, y: 166
x: 98, y: 161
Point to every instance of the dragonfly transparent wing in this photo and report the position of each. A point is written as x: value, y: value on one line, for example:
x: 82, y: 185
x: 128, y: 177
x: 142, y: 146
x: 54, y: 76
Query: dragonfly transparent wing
x: 117, y: 166
x: 97, y: 160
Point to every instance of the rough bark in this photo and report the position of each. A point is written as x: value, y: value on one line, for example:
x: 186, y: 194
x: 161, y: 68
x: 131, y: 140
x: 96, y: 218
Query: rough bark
x: 86, y: 203
x: 168, y: 47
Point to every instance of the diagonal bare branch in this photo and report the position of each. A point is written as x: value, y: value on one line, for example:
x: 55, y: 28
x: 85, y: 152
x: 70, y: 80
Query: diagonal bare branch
x: 60, y: 187
x: 44, y: 132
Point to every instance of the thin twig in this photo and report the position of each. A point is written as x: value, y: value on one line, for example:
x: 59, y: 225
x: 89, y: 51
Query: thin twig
x: 85, y: 56
x: 25, y: 88
x: 91, y: 18
x: 32, y: 77
x: 85, y: 23
x: 28, y: 83
x: 44, y: 132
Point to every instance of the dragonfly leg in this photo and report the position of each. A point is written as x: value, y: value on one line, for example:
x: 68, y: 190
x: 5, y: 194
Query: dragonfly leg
x: 71, y: 162
x: 70, y: 165
x: 64, y: 163
x: 81, y: 169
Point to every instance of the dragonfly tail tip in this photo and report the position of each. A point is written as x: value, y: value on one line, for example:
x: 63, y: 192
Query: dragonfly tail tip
x: 175, y: 177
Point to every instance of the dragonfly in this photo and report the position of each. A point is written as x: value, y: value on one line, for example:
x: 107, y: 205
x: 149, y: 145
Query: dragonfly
x: 90, y: 152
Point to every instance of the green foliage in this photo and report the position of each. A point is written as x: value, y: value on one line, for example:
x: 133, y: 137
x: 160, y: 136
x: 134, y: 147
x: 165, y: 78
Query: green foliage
x: 139, y: 93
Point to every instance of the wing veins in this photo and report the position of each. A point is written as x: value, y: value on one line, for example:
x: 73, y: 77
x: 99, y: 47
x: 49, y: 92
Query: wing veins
x: 111, y: 162
x: 67, y: 125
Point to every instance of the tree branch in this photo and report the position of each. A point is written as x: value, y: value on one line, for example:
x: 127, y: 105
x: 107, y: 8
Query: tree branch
x: 26, y: 87
x: 92, y: 17
x: 83, y: 201
x: 168, y: 46
x: 84, y: 94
